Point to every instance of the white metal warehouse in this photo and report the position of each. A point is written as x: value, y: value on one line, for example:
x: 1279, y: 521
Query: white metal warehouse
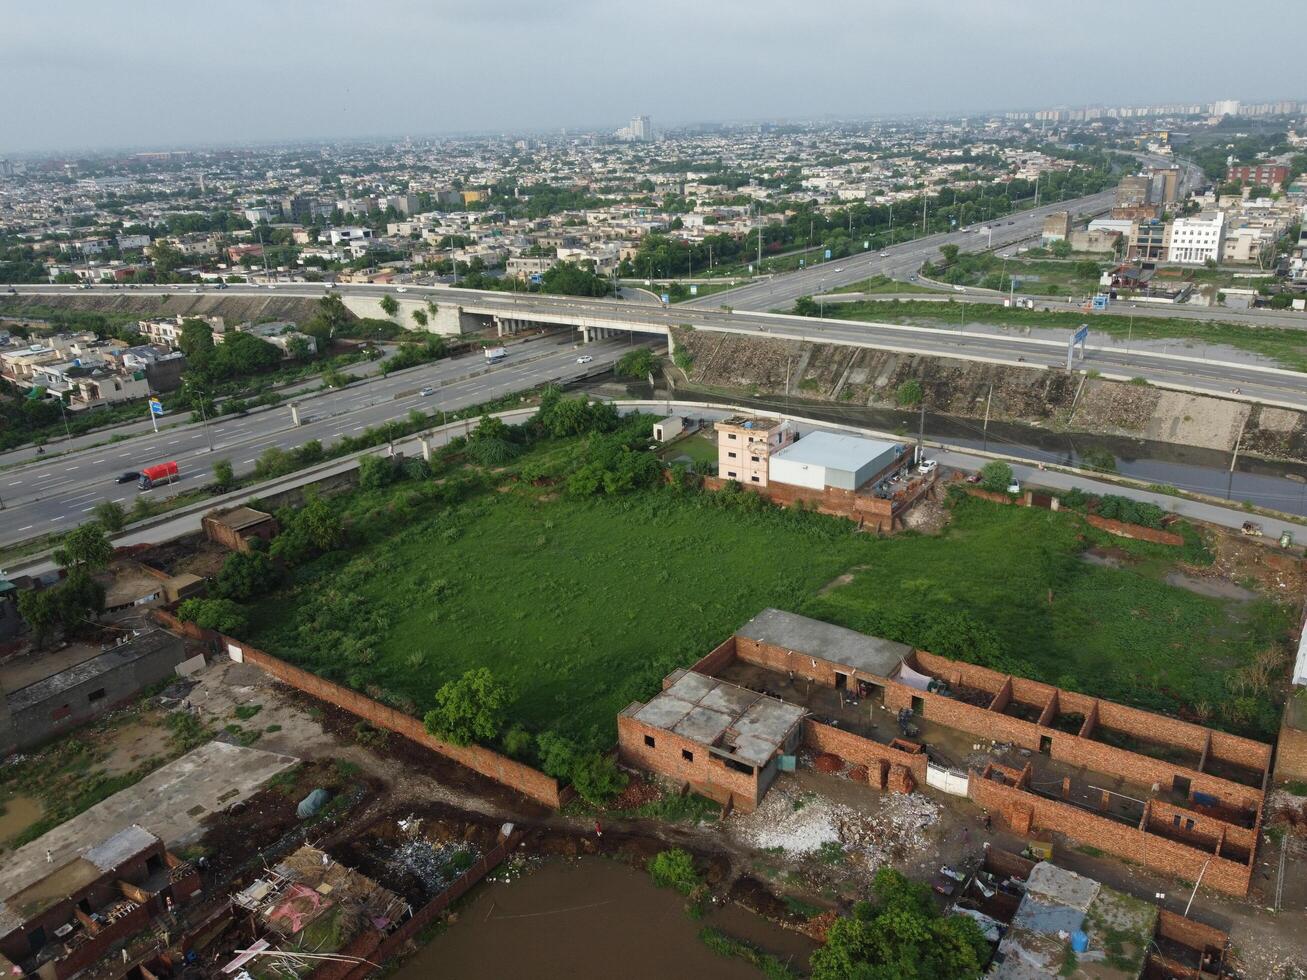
x: 829, y: 459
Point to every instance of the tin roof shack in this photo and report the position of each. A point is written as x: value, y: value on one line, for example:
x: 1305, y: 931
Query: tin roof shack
x: 58, y: 919
x: 234, y: 528
x: 72, y: 696
x: 724, y: 741
x: 310, y: 903
x: 1065, y: 920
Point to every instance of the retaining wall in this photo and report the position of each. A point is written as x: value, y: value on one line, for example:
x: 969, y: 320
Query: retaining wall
x: 1137, y: 531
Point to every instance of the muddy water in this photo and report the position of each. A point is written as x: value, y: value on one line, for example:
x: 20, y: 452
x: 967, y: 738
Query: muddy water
x: 18, y: 814
x: 591, y: 918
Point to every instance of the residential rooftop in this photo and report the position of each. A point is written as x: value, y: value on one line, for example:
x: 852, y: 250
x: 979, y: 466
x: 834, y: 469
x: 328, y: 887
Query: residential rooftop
x: 743, y: 724
x: 814, y: 638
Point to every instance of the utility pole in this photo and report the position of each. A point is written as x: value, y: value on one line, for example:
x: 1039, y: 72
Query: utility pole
x: 924, y: 198
x: 921, y: 432
x: 1229, y: 484
x: 984, y: 432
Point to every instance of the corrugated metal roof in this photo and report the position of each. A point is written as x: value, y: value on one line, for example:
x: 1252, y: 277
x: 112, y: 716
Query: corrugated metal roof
x: 834, y: 450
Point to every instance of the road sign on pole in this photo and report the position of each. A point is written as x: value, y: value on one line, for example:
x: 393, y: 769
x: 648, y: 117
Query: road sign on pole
x: 666, y: 298
x: 1079, y: 337
x: 156, y: 409
x: 694, y: 290
x: 828, y: 254
x: 1100, y: 302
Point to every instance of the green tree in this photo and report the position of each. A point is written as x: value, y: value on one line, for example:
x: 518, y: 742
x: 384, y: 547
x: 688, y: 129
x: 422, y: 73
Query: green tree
x: 335, y: 378
x: 81, y: 600
x: 806, y: 306
x: 40, y: 610
x: 468, y: 709
x: 299, y: 348
x: 909, y: 393
x: 196, y: 342
x: 901, y: 937
x: 389, y: 306
x: 1209, y: 263
x: 996, y: 475
x: 165, y: 258
x: 1061, y: 248
x: 223, y: 474
x: 420, y: 317
x: 111, y: 515
x: 638, y: 363
x: 85, y: 547
x: 376, y: 472
x: 557, y: 754
x: 222, y: 615
x: 596, y: 778
x: 949, y: 253
x: 246, y: 575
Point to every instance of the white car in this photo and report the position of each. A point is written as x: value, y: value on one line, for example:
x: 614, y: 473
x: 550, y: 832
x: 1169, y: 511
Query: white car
x: 1014, y: 486
x: 584, y: 359
x: 839, y: 268
x: 927, y: 466
x: 401, y: 289
x: 959, y: 289
x: 428, y: 390
x: 271, y: 286
x: 884, y: 255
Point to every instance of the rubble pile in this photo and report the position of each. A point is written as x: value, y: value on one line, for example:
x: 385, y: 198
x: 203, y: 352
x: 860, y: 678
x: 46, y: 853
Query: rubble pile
x: 433, y: 865
x: 800, y: 824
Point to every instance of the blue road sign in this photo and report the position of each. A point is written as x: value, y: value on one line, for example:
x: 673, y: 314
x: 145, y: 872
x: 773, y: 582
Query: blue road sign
x: 828, y: 253
x: 666, y: 299
x: 537, y: 279
x: 156, y: 407
x: 1081, y: 335
x: 1100, y: 302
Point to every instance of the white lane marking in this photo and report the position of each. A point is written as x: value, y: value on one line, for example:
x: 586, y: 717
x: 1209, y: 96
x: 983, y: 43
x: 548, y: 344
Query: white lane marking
x: 72, y: 467
x: 56, y: 520
x: 97, y: 461
x: 27, y: 528
x: 85, y: 509
x: 250, y: 460
x: 15, y: 483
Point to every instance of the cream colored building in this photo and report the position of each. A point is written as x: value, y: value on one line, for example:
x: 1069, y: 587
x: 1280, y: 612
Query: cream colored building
x: 745, y: 445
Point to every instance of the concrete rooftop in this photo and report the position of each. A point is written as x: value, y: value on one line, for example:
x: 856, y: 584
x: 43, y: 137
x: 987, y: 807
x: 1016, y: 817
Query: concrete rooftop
x: 716, y: 713
x: 834, y: 450
x: 172, y: 802
x: 814, y: 638
x: 80, y: 673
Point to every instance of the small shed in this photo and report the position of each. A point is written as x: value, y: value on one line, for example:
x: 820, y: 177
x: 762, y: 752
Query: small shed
x: 234, y: 528
x: 665, y: 430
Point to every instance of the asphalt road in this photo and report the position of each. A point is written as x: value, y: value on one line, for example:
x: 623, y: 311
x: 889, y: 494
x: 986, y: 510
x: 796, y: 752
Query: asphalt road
x: 58, y: 494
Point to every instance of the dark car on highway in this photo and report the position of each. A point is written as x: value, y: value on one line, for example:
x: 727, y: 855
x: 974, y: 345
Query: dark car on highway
x: 131, y: 476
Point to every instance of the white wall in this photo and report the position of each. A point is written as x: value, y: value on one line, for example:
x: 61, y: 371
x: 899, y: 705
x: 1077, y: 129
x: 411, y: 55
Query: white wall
x: 780, y: 470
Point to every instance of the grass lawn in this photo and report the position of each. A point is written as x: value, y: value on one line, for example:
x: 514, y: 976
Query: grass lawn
x: 700, y: 447
x: 582, y: 606
x: 1285, y: 346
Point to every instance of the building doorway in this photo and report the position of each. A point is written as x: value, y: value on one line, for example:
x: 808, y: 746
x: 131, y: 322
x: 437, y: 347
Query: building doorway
x: 841, y: 681
x: 1046, y: 744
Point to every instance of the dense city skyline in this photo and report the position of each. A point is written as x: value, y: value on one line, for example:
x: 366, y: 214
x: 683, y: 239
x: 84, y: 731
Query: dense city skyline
x: 301, y: 72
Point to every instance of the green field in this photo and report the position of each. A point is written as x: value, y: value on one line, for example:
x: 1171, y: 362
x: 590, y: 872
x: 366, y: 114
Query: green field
x: 582, y: 606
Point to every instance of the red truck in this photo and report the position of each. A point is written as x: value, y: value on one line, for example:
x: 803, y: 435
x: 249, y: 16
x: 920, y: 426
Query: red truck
x: 152, y: 476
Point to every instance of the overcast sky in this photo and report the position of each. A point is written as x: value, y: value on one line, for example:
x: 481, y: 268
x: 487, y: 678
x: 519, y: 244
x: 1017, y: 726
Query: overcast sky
x: 79, y: 74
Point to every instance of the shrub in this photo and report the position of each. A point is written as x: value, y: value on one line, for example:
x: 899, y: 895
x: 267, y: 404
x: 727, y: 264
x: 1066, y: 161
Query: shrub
x: 674, y: 869
x: 596, y: 778
x: 909, y: 393
x: 222, y: 615
x: 996, y: 476
x: 111, y: 515
x: 519, y: 743
x: 246, y: 575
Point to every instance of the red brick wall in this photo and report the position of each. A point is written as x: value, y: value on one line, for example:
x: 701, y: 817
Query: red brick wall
x: 527, y: 781
x: 1290, y: 754
x: 860, y: 751
x: 1187, y: 932
x: 839, y: 503
x: 720, y: 657
x: 1137, y: 531
x: 1015, y: 807
x: 706, y: 774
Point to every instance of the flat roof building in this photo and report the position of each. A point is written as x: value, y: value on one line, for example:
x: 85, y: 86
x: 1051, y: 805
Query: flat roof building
x: 745, y: 444
x: 828, y: 459
x: 722, y: 739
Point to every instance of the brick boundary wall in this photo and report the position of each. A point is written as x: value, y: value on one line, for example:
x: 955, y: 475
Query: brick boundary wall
x: 1137, y: 531
x: 1290, y: 752
x: 886, y: 766
x: 530, y: 782
x: 1025, y: 813
x: 1119, y: 528
x: 872, y: 511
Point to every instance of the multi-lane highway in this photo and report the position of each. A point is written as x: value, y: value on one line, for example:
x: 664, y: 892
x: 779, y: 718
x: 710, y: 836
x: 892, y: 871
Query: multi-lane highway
x: 898, y: 262
x: 58, y: 494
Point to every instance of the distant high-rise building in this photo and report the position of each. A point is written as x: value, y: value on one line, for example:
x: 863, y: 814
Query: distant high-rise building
x: 640, y: 130
x: 1226, y: 107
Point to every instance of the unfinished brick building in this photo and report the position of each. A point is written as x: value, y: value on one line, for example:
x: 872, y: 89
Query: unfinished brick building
x: 1174, y: 796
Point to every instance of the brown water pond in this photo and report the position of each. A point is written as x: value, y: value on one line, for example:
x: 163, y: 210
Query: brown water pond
x: 592, y: 917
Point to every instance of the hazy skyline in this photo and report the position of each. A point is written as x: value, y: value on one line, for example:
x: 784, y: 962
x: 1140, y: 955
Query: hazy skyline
x: 82, y: 75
